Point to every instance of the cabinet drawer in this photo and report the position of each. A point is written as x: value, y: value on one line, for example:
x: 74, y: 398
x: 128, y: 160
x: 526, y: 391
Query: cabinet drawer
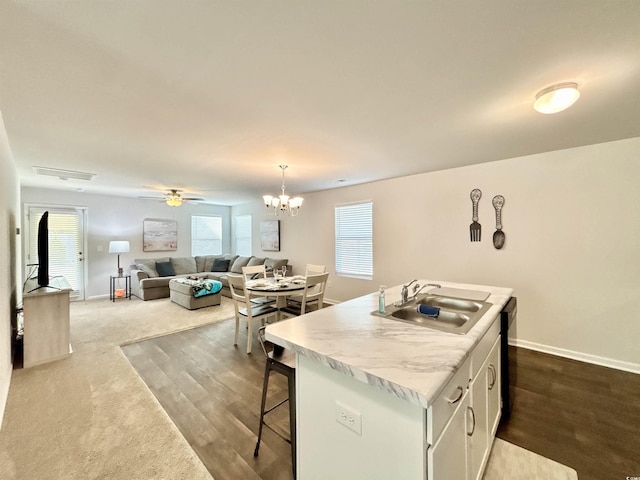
x: 439, y: 414
x: 482, y: 349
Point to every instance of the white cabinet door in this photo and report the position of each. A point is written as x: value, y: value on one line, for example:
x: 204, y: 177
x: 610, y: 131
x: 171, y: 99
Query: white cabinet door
x: 477, y: 427
x: 462, y: 447
x: 447, y: 459
x: 493, y: 389
x: 485, y: 412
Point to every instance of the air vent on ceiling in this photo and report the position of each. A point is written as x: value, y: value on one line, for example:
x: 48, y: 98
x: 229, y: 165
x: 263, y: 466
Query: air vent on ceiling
x: 63, y: 174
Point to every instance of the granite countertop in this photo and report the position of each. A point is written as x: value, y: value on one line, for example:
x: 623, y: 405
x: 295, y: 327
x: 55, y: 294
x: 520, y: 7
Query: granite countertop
x: 411, y: 362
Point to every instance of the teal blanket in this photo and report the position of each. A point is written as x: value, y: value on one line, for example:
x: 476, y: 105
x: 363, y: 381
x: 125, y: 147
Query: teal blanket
x: 206, y: 287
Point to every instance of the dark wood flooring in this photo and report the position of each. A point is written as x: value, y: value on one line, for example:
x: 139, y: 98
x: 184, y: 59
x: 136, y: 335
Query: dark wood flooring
x: 581, y: 415
x: 212, y: 391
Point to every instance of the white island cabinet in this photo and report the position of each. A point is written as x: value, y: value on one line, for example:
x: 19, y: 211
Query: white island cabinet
x: 380, y: 399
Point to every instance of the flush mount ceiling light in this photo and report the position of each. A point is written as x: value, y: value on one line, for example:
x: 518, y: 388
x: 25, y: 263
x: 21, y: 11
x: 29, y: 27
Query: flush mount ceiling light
x: 282, y: 203
x: 556, y: 98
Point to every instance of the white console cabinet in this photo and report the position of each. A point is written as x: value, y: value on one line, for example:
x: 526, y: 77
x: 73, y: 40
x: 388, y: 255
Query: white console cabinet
x: 46, y: 322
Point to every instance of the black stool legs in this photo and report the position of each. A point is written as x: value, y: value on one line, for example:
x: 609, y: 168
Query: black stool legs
x: 290, y: 373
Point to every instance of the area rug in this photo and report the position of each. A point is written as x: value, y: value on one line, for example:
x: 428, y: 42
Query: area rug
x: 90, y: 416
x: 510, y: 462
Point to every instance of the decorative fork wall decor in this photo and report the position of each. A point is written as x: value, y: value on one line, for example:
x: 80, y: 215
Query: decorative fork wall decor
x: 475, y: 229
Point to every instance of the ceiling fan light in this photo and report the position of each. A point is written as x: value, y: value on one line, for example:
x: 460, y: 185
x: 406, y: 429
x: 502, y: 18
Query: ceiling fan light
x: 174, y: 200
x: 556, y: 98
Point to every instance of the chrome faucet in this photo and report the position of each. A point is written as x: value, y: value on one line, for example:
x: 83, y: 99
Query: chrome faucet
x: 417, y: 289
x: 404, y: 293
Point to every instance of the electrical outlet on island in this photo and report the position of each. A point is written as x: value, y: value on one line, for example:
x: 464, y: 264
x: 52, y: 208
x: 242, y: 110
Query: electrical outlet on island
x: 349, y: 418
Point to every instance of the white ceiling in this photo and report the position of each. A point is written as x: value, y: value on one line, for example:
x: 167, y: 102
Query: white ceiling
x: 211, y: 96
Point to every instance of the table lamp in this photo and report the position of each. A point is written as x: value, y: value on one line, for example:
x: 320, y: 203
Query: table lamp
x: 119, y: 246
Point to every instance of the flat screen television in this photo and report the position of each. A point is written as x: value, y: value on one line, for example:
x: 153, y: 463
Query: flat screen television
x: 43, y: 250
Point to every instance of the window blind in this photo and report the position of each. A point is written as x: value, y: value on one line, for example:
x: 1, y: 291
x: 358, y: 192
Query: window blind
x: 243, y: 235
x: 206, y: 235
x: 354, y: 240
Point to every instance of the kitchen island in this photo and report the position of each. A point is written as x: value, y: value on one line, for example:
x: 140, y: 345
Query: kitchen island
x: 369, y: 389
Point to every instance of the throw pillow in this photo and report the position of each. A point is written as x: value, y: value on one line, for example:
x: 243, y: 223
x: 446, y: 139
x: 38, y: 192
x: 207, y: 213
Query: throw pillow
x: 255, y: 261
x: 220, y: 265
x: 184, y: 265
x: 236, y: 266
x: 146, y: 269
x: 165, y: 269
x: 271, y: 263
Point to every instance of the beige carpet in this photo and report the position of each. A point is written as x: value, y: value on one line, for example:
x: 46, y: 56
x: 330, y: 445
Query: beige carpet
x: 90, y: 416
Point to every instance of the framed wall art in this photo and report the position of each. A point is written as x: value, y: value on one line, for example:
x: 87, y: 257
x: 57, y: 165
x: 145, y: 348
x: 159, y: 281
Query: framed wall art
x: 159, y: 235
x: 270, y: 235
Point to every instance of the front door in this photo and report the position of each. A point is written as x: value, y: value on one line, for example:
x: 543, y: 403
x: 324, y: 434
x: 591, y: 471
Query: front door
x: 66, y: 245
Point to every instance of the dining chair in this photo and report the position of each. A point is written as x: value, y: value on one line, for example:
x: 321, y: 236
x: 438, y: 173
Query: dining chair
x: 315, y: 269
x: 281, y: 361
x: 310, y: 270
x: 312, y: 296
x: 255, y: 272
x: 246, y: 309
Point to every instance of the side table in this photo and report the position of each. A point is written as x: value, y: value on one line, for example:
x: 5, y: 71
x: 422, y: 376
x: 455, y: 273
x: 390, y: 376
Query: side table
x: 112, y: 287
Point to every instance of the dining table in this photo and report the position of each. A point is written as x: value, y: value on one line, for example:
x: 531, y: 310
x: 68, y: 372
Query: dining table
x: 280, y: 288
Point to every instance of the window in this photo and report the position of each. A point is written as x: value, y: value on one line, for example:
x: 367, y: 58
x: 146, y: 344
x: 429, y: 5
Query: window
x: 206, y: 235
x: 243, y: 235
x: 354, y: 240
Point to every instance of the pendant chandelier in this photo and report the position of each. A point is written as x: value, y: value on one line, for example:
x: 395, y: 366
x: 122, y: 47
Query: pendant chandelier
x: 282, y: 203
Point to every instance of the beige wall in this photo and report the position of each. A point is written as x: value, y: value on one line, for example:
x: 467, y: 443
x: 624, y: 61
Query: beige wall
x: 572, y: 221
x: 10, y: 250
x: 120, y: 218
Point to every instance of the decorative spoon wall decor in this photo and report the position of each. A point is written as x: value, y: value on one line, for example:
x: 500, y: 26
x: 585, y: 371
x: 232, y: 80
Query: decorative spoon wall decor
x: 498, y: 236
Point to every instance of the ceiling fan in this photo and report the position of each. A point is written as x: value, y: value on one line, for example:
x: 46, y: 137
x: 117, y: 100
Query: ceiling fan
x: 174, y: 198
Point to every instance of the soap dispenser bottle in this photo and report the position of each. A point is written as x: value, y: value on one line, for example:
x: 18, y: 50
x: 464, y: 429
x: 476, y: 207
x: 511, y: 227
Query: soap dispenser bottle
x: 381, y: 300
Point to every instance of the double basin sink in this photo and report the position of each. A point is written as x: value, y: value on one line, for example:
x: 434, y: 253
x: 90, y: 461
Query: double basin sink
x: 457, y: 315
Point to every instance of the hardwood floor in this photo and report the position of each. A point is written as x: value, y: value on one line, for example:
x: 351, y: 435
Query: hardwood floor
x: 581, y: 415
x: 212, y: 391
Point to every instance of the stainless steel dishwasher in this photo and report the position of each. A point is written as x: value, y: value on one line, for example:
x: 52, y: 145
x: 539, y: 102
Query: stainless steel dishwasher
x: 507, y: 321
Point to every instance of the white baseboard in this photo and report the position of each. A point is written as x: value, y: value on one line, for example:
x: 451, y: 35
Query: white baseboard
x: 582, y: 357
x: 97, y: 297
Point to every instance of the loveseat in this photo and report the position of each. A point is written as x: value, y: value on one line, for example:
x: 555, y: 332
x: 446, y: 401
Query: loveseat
x: 150, y: 277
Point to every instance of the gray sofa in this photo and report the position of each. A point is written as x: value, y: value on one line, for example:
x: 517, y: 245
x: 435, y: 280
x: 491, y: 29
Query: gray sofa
x: 150, y: 277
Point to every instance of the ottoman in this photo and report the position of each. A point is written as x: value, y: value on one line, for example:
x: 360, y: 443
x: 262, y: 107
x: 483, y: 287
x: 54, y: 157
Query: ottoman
x: 182, y: 294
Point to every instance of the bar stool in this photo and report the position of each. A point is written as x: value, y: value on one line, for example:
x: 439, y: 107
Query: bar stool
x: 284, y: 362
